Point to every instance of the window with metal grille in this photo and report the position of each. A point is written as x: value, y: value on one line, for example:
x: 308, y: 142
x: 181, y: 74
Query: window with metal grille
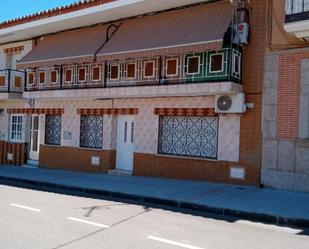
x: 91, y: 131
x: 191, y: 136
x: 53, y: 129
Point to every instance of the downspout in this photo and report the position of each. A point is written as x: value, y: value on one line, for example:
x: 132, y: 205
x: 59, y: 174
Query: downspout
x: 107, y: 38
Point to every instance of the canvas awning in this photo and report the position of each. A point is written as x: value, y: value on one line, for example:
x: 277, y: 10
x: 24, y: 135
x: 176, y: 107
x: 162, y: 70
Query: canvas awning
x: 194, y: 26
x: 75, y: 46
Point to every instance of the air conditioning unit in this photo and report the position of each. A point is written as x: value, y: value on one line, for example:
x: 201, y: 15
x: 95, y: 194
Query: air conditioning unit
x: 241, y: 34
x: 230, y: 103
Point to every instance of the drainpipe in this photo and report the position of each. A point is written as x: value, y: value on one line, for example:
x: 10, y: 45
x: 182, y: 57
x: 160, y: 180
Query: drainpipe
x: 107, y: 37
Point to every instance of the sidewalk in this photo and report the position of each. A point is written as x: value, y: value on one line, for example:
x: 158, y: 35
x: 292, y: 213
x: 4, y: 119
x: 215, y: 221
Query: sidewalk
x: 265, y: 205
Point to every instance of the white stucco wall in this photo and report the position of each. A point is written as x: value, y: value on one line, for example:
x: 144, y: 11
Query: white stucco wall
x: 146, y: 135
x: 27, y: 48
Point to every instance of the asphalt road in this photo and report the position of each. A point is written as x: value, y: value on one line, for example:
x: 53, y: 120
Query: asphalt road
x: 40, y: 220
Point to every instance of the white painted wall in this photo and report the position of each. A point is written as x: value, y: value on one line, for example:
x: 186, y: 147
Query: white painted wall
x: 146, y: 135
x: 27, y: 48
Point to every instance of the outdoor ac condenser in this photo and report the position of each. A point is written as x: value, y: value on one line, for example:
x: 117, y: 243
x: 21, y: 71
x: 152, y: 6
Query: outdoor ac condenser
x: 230, y: 103
x: 241, y: 34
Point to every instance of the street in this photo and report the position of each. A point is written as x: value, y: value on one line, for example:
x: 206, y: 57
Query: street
x: 40, y: 220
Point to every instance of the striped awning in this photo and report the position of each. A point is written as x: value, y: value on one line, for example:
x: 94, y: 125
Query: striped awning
x: 185, y: 111
x: 108, y: 111
x: 190, y: 29
x: 51, y: 111
x: 77, y: 46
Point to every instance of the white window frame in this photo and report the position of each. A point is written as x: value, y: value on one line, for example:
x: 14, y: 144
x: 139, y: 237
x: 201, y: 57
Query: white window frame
x: 57, y: 77
x: 110, y: 72
x: 33, y: 73
x: 86, y: 75
x: 222, y: 63
x: 42, y: 83
x: 153, y: 69
x: 100, y: 74
x: 21, y: 131
x: 135, y: 71
x: 72, y: 75
x: 199, y: 64
x: 177, y: 66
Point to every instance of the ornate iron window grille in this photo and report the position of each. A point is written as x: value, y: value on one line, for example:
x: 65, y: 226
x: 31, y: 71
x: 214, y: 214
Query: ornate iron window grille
x: 53, y: 129
x: 91, y: 131
x: 190, y: 136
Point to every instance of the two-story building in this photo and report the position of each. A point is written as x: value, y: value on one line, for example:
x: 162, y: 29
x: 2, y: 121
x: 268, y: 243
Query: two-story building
x: 286, y: 97
x: 171, y: 88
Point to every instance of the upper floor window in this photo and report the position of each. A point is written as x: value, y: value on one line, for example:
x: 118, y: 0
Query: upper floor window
x: 216, y: 63
x: 17, y: 82
x: 296, y: 6
x: 193, y: 65
x: 31, y: 77
x: 96, y: 73
x: 171, y: 67
x: 82, y: 77
x: 114, y: 72
x: 149, y: 69
x: 54, y: 76
x: 42, y: 77
x: 68, y: 75
x: 131, y: 70
x: 2, y: 80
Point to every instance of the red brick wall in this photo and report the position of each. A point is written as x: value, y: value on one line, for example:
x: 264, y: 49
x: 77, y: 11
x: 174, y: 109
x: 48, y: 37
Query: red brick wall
x: 18, y: 151
x: 289, y: 94
x: 253, y: 71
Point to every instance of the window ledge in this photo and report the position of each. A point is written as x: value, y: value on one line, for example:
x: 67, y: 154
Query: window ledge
x: 187, y: 157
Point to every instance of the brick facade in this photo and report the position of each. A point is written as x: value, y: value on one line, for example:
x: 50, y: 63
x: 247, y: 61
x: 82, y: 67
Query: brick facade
x: 76, y: 158
x: 289, y: 94
x: 246, y: 154
x: 15, y: 150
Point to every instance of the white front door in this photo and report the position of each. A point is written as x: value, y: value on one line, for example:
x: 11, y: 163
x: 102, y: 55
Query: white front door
x: 125, y: 143
x: 34, y: 137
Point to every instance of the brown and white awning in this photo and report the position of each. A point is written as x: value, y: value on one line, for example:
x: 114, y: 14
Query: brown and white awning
x: 69, y: 47
x: 196, y: 28
x: 38, y: 111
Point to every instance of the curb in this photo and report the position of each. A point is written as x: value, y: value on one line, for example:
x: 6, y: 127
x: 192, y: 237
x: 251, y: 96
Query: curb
x: 104, y: 194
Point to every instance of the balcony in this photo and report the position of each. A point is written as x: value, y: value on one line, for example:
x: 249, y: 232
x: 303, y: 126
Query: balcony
x: 203, y: 73
x: 297, y: 18
x: 11, y: 83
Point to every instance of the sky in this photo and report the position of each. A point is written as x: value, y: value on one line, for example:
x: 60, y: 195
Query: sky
x: 11, y: 9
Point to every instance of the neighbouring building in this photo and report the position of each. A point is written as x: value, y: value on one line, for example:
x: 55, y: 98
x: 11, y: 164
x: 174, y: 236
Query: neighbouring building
x: 286, y: 97
x: 171, y: 89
